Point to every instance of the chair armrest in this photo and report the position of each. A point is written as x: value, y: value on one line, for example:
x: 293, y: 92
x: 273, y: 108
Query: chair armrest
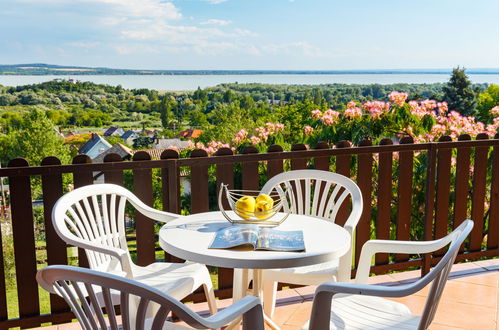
x: 150, y: 212
x: 250, y: 308
x: 332, y: 288
x: 372, y: 247
x: 233, y: 312
x: 119, y: 254
x: 321, y: 308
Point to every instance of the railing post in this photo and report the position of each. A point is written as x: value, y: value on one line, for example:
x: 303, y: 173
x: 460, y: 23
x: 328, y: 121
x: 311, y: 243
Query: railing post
x: 365, y: 183
x: 442, y: 192
x: 24, y: 243
x: 274, y: 166
x: 429, y: 205
x: 384, y: 219
x: 478, y: 194
x: 144, y: 227
x: 249, y: 171
x: 300, y: 163
x: 461, y: 195
x: 404, y: 205
x: 321, y: 163
x: 343, y: 164
x: 199, y: 178
x: 170, y: 182
x: 170, y: 189
x: 115, y: 177
x: 55, y: 246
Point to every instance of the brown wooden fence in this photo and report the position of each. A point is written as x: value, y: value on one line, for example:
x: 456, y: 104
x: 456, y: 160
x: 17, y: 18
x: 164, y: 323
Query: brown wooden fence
x: 410, y: 191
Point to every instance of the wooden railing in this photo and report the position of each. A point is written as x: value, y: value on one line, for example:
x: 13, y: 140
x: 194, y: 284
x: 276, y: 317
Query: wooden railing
x: 410, y: 191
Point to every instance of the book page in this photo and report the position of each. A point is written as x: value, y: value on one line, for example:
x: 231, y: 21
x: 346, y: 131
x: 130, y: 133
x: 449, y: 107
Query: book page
x: 278, y: 240
x: 235, y: 236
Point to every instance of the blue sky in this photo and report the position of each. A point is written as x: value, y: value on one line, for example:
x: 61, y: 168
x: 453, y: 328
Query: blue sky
x: 251, y: 34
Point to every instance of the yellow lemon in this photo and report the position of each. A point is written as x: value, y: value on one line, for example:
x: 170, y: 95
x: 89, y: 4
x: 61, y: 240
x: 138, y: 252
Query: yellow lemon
x: 245, y: 206
x: 263, y: 209
x: 266, y: 198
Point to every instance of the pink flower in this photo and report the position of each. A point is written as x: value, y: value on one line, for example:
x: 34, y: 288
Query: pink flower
x: 442, y: 108
x: 241, y: 135
x: 495, y: 110
x: 398, y: 98
x: 255, y: 140
x: 308, y: 130
x: 330, y: 117
x: 376, y: 108
x: 353, y: 112
x: 428, y: 105
x: 317, y: 114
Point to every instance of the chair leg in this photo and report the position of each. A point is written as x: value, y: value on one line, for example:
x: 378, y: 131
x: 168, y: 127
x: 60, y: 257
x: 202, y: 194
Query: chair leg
x: 210, y: 298
x: 269, y: 296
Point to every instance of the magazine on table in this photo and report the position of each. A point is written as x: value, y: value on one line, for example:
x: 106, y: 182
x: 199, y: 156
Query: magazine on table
x: 259, y: 238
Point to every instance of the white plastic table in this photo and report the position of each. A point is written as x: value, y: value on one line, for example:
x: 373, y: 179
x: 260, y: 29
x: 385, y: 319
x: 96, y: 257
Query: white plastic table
x: 189, y: 238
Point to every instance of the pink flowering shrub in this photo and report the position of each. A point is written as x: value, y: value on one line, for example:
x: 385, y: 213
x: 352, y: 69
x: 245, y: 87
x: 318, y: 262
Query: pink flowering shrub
x: 398, y: 98
x: 425, y: 120
x: 495, y: 111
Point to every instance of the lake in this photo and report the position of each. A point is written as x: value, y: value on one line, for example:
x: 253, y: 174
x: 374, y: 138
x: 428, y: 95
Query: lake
x: 192, y: 82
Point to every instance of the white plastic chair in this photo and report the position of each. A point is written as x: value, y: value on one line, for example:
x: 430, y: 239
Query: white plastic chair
x: 93, y: 218
x: 87, y: 292
x: 359, y: 306
x: 318, y: 194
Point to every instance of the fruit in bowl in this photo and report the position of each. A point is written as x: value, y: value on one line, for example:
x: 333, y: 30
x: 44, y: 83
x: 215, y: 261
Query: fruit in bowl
x: 245, y: 207
x: 263, y: 210
x: 253, y: 207
x: 265, y: 198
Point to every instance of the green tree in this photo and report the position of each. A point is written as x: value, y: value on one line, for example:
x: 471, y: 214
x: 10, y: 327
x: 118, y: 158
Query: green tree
x: 165, y: 111
x: 198, y: 119
x: 459, y: 94
x: 143, y: 142
x: 486, y: 101
x: 36, y: 139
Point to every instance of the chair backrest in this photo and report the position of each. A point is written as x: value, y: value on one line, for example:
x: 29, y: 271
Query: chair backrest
x: 317, y: 193
x: 440, y: 273
x: 321, y: 311
x: 88, y: 291
x: 95, y: 215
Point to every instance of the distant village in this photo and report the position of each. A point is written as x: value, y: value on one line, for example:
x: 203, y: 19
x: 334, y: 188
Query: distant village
x: 97, y: 147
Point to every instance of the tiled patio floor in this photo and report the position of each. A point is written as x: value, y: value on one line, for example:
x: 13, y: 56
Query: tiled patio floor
x: 470, y: 299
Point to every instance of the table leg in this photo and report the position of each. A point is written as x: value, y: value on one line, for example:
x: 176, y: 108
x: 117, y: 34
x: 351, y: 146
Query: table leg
x: 239, y: 289
x: 258, y: 292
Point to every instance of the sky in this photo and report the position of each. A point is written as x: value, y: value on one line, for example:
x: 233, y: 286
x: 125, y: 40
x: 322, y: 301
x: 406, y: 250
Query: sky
x: 251, y: 34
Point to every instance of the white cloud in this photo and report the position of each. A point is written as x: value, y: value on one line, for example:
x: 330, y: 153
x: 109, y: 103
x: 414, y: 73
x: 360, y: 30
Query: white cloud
x: 214, y: 21
x: 215, y: 2
x: 142, y: 8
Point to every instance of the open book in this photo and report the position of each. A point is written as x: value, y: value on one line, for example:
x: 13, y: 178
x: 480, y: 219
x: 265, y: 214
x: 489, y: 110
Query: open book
x: 258, y: 238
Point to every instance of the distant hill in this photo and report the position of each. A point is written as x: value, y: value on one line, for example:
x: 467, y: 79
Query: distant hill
x: 49, y: 69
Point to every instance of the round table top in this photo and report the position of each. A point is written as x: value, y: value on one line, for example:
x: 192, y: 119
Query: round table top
x: 188, y: 237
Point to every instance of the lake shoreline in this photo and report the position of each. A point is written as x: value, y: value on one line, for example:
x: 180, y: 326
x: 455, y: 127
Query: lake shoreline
x: 192, y: 82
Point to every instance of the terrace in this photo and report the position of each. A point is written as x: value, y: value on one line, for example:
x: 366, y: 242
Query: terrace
x: 410, y: 191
